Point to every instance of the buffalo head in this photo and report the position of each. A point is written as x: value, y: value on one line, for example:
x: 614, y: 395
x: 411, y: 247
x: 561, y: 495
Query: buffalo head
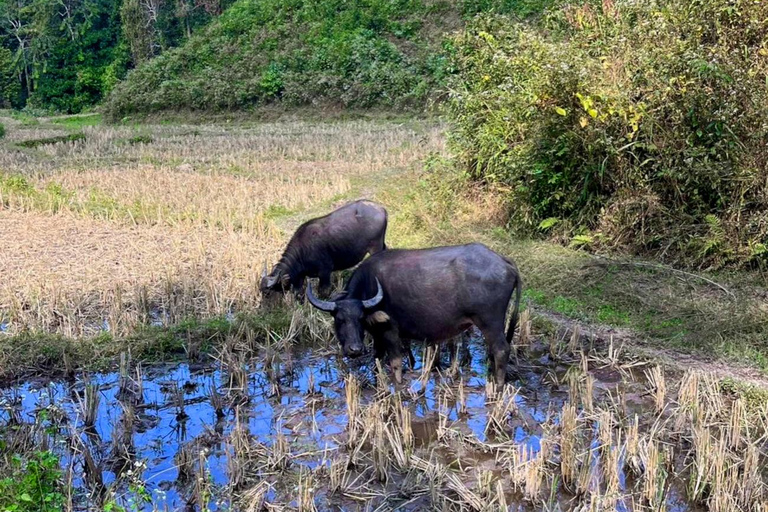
x: 348, y: 317
x: 274, y: 283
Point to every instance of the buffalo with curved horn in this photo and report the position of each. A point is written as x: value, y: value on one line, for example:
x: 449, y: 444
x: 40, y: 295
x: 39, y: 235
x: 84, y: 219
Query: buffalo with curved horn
x: 431, y: 295
x: 337, y: 241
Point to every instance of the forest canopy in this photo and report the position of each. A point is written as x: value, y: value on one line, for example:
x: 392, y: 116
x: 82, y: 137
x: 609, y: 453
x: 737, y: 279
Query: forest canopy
x: 66, y: 55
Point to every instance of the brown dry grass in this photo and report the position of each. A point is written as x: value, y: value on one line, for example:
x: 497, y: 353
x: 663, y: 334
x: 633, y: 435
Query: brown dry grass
x: 150, y: 194
x: 68, y: 274
x: 162, y: 222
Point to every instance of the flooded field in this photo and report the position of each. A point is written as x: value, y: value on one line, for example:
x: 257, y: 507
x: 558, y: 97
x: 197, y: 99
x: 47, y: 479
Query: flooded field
x: 289, y: 427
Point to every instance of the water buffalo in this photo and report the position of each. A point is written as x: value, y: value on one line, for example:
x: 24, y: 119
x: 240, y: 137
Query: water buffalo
x: 337, y: 241
x: 430, y: 295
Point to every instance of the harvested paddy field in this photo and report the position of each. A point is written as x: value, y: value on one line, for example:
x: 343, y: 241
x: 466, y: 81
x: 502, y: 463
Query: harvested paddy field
x: 171, y: 221
x: 142, y: 372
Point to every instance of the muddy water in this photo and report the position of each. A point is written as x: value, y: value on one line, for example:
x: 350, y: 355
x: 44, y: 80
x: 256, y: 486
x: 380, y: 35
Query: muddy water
x: 141, y: 428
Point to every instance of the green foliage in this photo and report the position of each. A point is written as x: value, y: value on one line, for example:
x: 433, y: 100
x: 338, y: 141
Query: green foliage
x: 10, y: 87
x: 2, y: 130
x: 33, y: 484
x: 138, y: 30
x: 637, y: 125
x: 522, y: 8
x: 357, y: 53
x: 140, y: 139
x: 78, y: 121
x: 66, y: 55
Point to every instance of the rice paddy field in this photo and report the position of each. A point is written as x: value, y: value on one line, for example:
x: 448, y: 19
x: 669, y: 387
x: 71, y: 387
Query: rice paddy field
x: 143, y: 372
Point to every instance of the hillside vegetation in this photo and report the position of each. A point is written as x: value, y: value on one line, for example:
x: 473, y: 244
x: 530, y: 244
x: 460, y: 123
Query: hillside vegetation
x: 360, y: 53
x: 633, y: 125
x: 65, y: 55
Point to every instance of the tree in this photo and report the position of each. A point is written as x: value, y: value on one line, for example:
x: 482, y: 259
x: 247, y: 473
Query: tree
x: 140, y: 28
x: 66, y: 54
x: 10, y: 85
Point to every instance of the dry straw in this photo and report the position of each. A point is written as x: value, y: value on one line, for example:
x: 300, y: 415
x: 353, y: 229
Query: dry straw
x: 110, y: 234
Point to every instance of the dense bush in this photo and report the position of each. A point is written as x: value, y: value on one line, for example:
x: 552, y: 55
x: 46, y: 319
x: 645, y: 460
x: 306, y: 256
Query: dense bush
x: 639, y: 125
x: 358, y: 53
x: 350, y: 53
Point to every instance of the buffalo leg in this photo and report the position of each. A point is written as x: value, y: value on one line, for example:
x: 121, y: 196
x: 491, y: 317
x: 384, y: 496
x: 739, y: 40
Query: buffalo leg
x: 409, y: 352
x: 325, y: 284
x: 498, y: 349
x: 466, y: 355
x: 387, y: 343
x: 298, y: 289
x: 453, y: 344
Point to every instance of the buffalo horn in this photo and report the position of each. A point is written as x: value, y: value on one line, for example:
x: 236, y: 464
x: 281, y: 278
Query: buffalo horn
x: 322, y: 305
x: 367, y: 304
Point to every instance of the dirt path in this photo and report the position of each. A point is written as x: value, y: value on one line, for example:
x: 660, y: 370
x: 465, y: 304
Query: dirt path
x: 634, y: 346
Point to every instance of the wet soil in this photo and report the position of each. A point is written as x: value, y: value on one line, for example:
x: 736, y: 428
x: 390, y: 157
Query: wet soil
x: 145, y: 421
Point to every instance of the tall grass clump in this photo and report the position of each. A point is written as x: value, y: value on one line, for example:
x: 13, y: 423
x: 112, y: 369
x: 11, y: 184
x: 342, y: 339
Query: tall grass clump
x: 623, y: 125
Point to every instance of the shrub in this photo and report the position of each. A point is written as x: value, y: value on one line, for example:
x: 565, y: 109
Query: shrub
x: 357, y: 53
x: 34, y: 483
x: 2, y: 130
x: 634, y: 125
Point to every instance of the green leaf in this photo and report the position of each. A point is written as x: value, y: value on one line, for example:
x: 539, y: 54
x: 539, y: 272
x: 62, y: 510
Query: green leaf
x: 25, y: 497
x: 580, y: 241
x: 548, y: 223
x: 561, y: 111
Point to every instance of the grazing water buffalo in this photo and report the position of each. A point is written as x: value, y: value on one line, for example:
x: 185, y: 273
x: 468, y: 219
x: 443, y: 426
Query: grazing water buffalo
x: 337, y: 241
x: 430, y: 295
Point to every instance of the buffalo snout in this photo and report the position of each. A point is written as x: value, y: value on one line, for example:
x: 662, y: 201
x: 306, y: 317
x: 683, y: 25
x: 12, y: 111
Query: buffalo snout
x: 354, y: 350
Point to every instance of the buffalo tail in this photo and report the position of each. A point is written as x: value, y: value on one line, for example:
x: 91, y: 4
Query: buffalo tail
x: 516, y: 310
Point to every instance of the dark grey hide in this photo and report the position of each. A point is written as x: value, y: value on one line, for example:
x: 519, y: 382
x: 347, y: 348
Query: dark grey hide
x: 429, y: 295
x: 337, y: 241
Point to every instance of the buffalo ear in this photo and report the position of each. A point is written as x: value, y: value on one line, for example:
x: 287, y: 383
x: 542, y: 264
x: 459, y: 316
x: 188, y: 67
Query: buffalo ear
x: 379, y: 317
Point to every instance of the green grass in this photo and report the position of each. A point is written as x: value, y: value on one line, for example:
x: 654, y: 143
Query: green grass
x: 277, y: 211
x: 79, y: 121
x: 35, y: 352
x: 755, y: 397
x: 33, y: 143
x: 32, y: 481
x: 664, y: 308
x: 24, y: 118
